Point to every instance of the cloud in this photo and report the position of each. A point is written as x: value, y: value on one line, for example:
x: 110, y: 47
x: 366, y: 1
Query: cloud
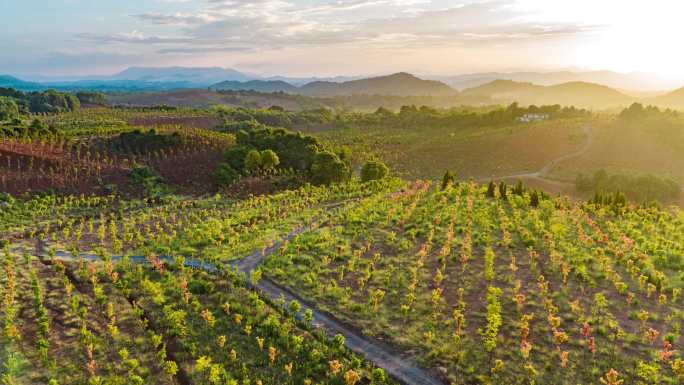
x: 248, y: 27
x: 271, y: 24
x: 175, y: 19
x: 133, y: 37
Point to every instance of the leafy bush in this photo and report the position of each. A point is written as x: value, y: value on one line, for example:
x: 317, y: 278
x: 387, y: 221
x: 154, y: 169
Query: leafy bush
x: 92, y: 98
x: 138, y: 141
x: 225, y: 175
x: 269, y: 160
x: 8, y: 108
x: 253, y: 161
x: 327, y: 168
x: 373, y: 170
x: 146, y: 178
x: 235, y: 157
x: 642, y: 188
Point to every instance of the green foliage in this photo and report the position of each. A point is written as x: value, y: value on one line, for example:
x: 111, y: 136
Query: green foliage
x: 295, y: 150
x: 142, y: 142
x: 253, y: 161
x: 236, y: 155
x: 37, y: 129
x: 448, y: 179
x: 92, y: 98
x: 225, y: 175
x: 491, y: 331
x: 373, y: 170
x: 8, y: 108
x: 49, y: 101
x: 534, y: 199
x: 643, y: 188
x: 269, y: 160
x: 148, y: 179
x: 327, y: 168
x: 491, y: 189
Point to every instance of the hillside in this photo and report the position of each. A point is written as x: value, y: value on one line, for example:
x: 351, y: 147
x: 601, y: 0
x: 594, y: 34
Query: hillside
x: 399, y: 84
x: 256, y: 85
x: 7, y: 81
x: 206, y: 76
x: 500, y: 89
x: 674, y: 99
x: 579, y: 94
x: 629, y: 81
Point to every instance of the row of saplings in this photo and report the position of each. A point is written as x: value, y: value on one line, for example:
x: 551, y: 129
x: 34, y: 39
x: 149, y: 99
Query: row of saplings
x: 268, y: 151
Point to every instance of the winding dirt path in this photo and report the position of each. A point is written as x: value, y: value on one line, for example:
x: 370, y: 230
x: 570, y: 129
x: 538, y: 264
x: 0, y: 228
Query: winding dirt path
x: 402, y: 369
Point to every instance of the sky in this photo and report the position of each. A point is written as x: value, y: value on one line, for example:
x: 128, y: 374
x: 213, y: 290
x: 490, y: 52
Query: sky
x: 342, y: 37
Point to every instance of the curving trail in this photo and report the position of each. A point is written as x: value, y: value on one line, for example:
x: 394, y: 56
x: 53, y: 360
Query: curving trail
x: 541, y: 173
x: 403, y: 370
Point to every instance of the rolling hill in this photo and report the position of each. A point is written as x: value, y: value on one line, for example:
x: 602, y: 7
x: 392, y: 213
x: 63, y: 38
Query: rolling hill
x: 580, y: 94
x: 401, y: 84
x: 674, y: 99
x: 256, y: 85
x: 7, y: 81
x: 629, y: 81
x: 204, y: 76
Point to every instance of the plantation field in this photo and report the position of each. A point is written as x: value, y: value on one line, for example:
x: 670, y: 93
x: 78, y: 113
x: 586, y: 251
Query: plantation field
x: 474, y: 288
x: 122, y: 322
x: 204, y: 246
x: 485, y: 289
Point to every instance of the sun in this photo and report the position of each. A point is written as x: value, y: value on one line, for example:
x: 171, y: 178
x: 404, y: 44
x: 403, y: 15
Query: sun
x: 627, y: 35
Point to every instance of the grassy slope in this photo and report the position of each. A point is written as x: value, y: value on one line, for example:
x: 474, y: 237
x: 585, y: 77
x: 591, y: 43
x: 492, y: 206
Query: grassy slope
x: 620, y: 149
x: 470, y: 152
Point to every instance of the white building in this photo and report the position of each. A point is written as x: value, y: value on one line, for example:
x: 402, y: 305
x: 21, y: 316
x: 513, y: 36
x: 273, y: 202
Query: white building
x: 533, y: 117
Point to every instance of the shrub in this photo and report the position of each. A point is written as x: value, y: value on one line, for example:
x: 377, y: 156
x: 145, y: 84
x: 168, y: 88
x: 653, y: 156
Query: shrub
x: 373, y: 170
x: 225, y: 175
x: 8, y: 108
x: 448, y: 179
x: 643, y: 188
x: 146, y: 178
x: 253, y: 161
x: 235, y: 156
x: 269, y: 160
x: 327, y: 168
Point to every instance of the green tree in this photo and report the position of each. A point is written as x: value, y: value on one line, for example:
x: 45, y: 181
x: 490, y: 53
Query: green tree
x: 327, y: 168
x: 8, y: 108
x: 269, y: 160
x: 236, y: 155
x: 373, y: 170
x: 448, y: 179
x: 534, y: 199
x: 225, y: 175
x: 253, y: 161
x: 491, y: 189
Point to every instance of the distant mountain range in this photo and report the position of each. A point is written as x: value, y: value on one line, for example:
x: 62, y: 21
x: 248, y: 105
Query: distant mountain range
x: 632, y: 81
x: 155, y: 79
x: 399, y: 84
x: 543, y: 90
